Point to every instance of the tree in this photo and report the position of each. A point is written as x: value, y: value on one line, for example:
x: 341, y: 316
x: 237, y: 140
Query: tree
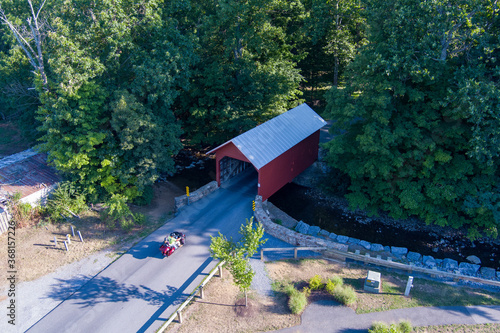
x: 337, y: 27
x: 246, y: 74
x: 237, y: 255
x: 419, y: 117
x: 30, y: 40
x: 116, y: 68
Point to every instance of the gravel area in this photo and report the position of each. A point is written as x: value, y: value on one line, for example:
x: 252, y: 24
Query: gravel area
x: 32, y: 302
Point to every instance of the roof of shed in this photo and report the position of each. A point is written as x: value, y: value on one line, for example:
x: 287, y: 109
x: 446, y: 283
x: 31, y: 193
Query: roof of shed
x: 269, y: 140
x: 26, y: 172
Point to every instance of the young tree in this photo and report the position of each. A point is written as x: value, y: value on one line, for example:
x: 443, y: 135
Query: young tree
x: 237, y: 255
x: 419, y: 117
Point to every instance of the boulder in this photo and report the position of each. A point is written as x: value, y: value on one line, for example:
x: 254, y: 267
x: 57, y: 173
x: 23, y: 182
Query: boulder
x: 332, y: 236
x: 324, y: 233
x: 429, y: 262
x: 399, y: 251
x: 377, y: 247
x: 313, y: 230
x: 449, y: 264
x: 342, y: 239
x: 488, y: 273
x: 414, y: 256
x: 468, y: 269
x: 353, y: 240
x: 365, y: 244
x: 302, y: 227
x: 474, y: 260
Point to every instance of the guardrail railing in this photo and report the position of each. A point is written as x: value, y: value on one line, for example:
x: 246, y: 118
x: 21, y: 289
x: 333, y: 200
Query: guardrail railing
x: 366, y: 258
x: 295, y: 250
x: 178, y: 312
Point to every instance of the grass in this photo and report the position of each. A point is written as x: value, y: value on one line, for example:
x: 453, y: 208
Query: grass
x: 480, y: 328
x: 424, y: 293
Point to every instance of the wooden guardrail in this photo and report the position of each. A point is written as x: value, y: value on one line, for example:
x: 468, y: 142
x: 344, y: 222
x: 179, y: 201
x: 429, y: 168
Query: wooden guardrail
x: 178, y: 312
x: 366, y: 258
x: 295, y: 249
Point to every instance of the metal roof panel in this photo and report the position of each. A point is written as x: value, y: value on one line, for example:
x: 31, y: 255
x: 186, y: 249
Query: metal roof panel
x: 269, y: 140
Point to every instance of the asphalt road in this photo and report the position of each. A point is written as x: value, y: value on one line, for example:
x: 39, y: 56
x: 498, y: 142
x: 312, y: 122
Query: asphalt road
x: 141, y: 289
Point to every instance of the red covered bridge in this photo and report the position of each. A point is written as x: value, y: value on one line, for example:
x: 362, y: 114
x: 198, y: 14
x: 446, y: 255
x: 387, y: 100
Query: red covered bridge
x: 279, y: 149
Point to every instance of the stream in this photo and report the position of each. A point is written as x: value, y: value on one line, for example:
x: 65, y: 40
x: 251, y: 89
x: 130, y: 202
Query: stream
x: 315, y: 209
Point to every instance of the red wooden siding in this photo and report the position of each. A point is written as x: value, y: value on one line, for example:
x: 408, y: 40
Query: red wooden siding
x: 287, y: 166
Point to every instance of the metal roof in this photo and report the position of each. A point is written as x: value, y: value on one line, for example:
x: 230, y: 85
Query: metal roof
x: 269, y: 140
x: 26, y: 172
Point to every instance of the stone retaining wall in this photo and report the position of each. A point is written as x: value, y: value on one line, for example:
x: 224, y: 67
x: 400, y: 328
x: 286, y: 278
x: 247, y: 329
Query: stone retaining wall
x: 290, y: 236
x: 306, y: 235
x: 195, y: 195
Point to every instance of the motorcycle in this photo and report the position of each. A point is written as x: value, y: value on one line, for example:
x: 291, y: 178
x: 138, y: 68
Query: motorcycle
x: 170, y: 244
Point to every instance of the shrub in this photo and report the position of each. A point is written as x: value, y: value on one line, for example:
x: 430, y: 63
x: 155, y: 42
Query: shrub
x: 117, y: 210
x: 316, y: 283
x: 345, y: 294
x: 146, y: 197
x: 332, y: 283
x: 22, y: 213
x: 64, y: 200
x: 289, y: 289
x: 297, y: 302
x: 402, y: 327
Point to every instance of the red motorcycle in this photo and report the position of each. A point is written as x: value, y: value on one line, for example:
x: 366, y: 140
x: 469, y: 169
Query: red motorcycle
x: 172, y: 243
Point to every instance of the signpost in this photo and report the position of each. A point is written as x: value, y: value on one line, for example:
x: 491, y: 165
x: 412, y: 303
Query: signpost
x: 187, y: 194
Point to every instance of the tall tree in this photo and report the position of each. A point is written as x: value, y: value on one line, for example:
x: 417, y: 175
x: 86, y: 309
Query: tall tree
x: 246, y: 72
x: 116, y: 68
x: 338, y: 27
x: 419, y: 118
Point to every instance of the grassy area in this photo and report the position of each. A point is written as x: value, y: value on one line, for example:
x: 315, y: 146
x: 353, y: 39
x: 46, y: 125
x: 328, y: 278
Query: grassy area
x: 424, y: 293
x: 483, y: 328
x: 221, y: 310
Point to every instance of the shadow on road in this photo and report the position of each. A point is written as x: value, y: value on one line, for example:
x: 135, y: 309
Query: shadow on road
x: 176, y: 298
x: 104, y: 289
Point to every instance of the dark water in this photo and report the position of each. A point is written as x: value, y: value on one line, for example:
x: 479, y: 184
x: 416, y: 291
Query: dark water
x: 293, y: 200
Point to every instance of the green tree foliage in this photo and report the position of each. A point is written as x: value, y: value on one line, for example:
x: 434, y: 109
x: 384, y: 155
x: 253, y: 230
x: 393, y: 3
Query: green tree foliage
x: 246, y: 72
x: 336, y: 29
x: 237, y: 255
x: 115, y: 69
x: 65, y: 200
x: 419, y: 117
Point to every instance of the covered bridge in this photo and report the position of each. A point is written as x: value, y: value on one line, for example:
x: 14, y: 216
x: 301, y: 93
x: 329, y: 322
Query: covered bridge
x: 279, y: 149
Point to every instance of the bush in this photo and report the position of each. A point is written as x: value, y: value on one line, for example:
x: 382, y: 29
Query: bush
x: 117, y: 210
x: 22, y: 213
x: 332, y: 283
x: 316, y: 283
x: 297, y: 302
x: 345, y: 294
x: 402, y: 327
x: 146, y: 197
x: 64, y: 200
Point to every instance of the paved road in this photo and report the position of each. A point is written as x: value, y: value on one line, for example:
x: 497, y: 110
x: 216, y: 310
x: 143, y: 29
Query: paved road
x: 140, y: 290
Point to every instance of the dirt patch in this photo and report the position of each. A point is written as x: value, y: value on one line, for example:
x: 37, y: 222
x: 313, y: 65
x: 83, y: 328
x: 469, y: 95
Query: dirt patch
x: 221, y: 310
x: 35, y: 252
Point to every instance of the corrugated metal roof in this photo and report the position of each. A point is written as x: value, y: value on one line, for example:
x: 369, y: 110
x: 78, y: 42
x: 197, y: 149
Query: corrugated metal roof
x: 269, y: 140
x: 26, y: 173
